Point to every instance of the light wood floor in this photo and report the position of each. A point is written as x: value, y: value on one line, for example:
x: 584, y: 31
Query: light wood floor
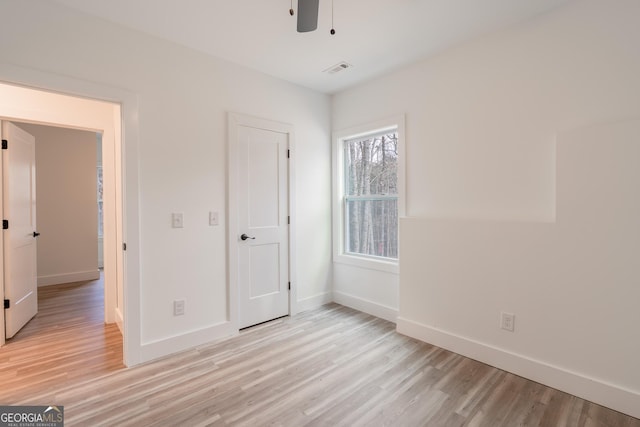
x: 328, y: 367
x: 65, y: 343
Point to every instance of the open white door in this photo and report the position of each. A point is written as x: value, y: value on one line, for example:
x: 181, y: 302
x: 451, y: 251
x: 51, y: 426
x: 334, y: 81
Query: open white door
x: 262, y: 224
x: 19, y: 235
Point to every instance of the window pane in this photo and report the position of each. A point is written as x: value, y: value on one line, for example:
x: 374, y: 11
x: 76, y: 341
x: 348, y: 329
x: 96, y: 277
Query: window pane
x: 100, y: 219
x: 99, y: 197
x: 371, y: 165
x: 372, y: 227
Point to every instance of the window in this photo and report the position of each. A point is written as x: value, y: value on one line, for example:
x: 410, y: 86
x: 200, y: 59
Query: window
x: 371, y: 195
x: 368, y: 194
x: 100, y: 206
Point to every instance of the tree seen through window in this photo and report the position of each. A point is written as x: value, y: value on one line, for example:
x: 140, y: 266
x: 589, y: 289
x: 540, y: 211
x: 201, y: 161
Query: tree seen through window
x: 371, y: 195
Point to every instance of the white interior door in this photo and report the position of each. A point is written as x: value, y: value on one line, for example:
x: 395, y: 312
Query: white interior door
x: 19, y: 239
x: 263, y: 230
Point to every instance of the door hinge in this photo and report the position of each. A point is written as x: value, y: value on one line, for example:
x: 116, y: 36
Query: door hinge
x: 5, y: 224
x: 288, y: 151
x: 7, y: 304
x: 124, y: 246
x: 289, y: 285
x: 5, y: 144
x: 288, y: 220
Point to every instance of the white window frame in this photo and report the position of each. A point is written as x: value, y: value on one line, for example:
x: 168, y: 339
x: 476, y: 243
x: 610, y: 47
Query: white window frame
x: 100, y: 199
x: 339, y: 138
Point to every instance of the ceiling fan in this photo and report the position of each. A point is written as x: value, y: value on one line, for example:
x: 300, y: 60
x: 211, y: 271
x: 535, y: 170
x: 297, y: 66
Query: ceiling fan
x: 308, y: 15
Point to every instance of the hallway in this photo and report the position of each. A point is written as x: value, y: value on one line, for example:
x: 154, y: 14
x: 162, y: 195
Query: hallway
x: 66, y: 342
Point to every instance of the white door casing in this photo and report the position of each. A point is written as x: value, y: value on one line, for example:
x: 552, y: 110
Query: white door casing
x: 259, y: 209
x: 19, y: 240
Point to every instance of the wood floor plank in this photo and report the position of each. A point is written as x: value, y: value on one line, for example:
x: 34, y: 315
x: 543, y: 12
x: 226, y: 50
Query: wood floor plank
x: 333, y: 366
x: 65, y: 343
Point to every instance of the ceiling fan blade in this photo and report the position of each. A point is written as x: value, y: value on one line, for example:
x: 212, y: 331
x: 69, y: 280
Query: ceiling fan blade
x: 307, y: 15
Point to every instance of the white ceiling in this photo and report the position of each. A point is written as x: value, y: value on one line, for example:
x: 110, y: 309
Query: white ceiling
x: 375, y: 36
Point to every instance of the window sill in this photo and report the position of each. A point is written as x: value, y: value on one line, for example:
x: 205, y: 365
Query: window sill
x: 368, y: 263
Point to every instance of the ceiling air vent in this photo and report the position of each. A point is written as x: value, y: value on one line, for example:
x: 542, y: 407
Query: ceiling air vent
x: 340, y: 66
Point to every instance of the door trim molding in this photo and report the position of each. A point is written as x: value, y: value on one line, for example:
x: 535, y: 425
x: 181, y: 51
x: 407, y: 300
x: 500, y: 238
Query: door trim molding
x: 233, y: 121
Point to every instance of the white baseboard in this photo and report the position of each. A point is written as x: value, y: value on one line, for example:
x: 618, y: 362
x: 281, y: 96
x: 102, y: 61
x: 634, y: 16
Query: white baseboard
x: 315, y: 301
x: 583, y: 386
x: 164, y: 347
x: 77, y: 276
x: 366, y: 306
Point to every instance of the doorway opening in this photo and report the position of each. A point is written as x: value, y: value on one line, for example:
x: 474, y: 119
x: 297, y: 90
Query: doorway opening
x: 63, y: 111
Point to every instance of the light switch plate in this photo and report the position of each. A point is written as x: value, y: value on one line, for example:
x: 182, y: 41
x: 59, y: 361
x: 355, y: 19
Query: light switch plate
x: 177, y: 220
x: 213, y: 218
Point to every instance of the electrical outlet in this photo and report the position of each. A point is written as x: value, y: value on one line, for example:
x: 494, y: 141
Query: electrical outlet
x: 507, y: 321
x: 178, y: 307
x: 177, y: 220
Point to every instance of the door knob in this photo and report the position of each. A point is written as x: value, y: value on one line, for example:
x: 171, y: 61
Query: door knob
x: 245, y: 237
x: 36, y: 234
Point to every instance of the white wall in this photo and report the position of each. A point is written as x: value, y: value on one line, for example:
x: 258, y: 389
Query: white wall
x: 184, y: 97
x: 66, y: 204
x: 371, y: 291
x: 572, y: 283
x: 482, y: 121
